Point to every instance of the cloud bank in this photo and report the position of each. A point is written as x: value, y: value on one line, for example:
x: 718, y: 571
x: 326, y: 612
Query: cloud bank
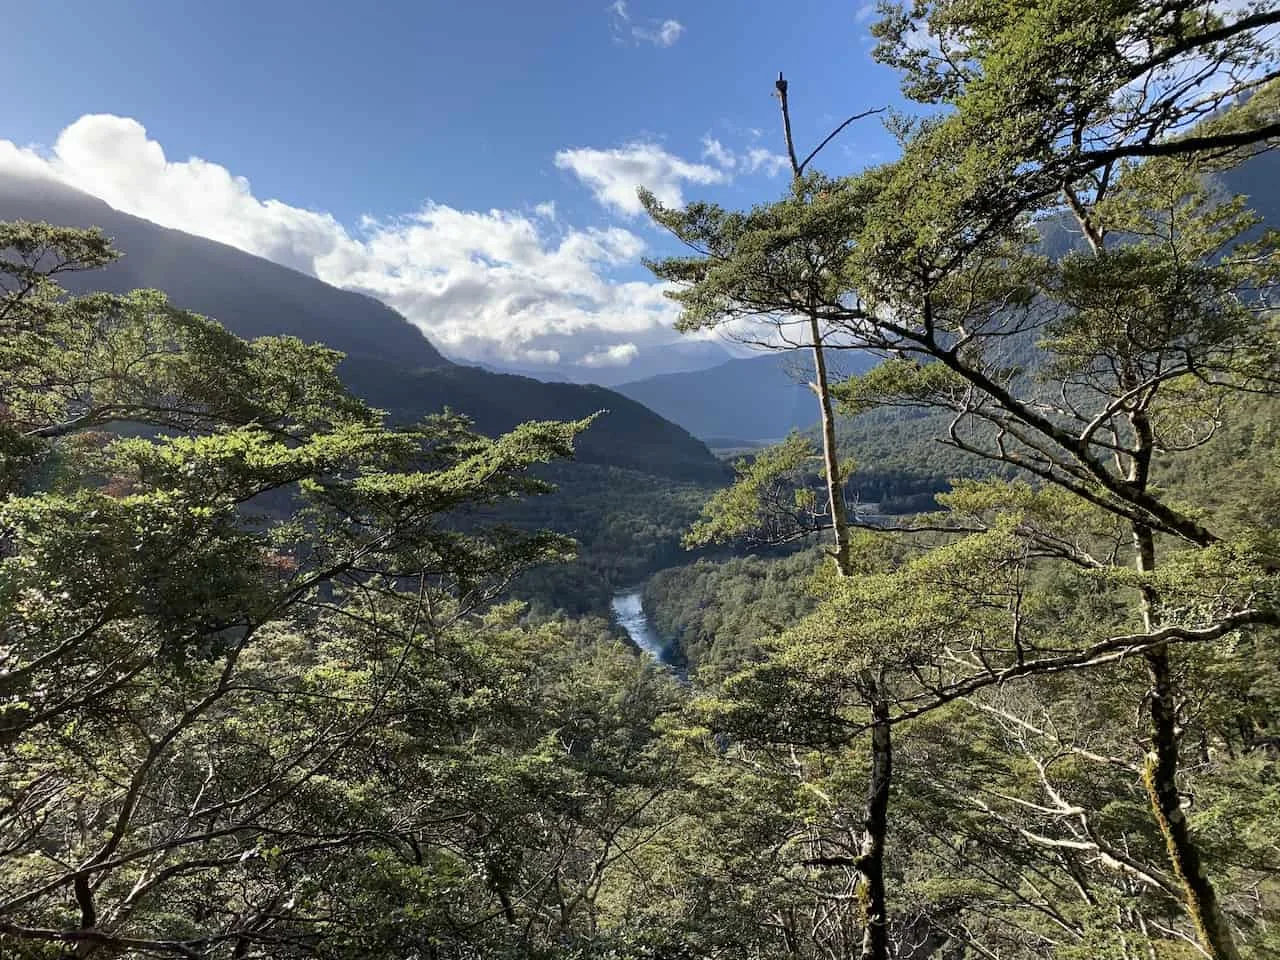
x: 618, y: 355
x: 496, y: 285
x: 506, y: 286
x: 751, y: 160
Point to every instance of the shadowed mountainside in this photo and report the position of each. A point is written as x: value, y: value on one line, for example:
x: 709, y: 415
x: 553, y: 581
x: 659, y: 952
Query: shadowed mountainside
x: 754, y: 398
x: 389, y: 362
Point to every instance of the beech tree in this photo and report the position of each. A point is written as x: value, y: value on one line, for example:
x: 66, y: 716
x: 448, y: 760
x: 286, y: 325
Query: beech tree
x: 239, y: 643
x: 1121, y: 118
x: 1081, y: 369
x: 778, y: 265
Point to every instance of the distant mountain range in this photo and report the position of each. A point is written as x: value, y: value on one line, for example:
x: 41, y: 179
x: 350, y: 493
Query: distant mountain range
x: 763, y: 398
x: 393, y: 365
x: 389, y: 362
x: 681, y: 356
x: 750, y: 399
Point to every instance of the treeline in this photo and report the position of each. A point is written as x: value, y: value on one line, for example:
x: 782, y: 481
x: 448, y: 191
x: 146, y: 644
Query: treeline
x: 898, y: 461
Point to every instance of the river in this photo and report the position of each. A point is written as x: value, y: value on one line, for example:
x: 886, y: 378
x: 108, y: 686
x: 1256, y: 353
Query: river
x: 630, y: 613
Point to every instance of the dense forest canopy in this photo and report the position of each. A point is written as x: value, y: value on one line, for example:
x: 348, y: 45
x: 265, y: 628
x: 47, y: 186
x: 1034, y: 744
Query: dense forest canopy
x: 283, y: 676
x: 1073, y: 374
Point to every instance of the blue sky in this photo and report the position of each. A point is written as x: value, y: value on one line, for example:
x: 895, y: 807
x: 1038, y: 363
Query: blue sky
x: 487, y: 111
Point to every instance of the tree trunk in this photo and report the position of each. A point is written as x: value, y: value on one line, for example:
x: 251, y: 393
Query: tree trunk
x: 1160, y: 775
x: 830, y: 458
x: 870, y: 861
x: 830, y: 454
x: 875, y: 931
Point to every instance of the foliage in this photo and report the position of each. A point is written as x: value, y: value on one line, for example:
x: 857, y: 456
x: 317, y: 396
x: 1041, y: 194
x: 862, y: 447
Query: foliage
x: 626, y: 526
x: 255, y: 699
x: 716, y: 612
x: 264, y: 691
x: 1078, y: 376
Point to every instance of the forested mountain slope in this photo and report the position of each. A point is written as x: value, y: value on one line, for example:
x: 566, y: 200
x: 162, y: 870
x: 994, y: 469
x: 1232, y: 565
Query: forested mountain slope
x: 713, y: 610
x: 389, y: 362
x: 753, y: 398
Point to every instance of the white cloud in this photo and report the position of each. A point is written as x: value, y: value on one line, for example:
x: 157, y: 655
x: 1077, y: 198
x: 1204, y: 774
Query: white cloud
x: 866, y: 11
x: 496, y: 284
x: 718, y: 153
x: 751, y: 160
x: 614, y: 175
x: 22, y: 161
x: 760, y: 160
x: 618, y: 355
x: 111, y: 158
x: 661, y: 33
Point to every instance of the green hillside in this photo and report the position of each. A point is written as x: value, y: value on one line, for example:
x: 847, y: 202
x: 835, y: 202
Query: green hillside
x: 388, y: 360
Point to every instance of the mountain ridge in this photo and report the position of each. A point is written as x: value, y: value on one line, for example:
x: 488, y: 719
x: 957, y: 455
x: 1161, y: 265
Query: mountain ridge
x: 678, y: 356
x: 747, y: 399
x: 389, y: 362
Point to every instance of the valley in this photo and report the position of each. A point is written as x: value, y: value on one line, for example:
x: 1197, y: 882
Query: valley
x: 431, y: 572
